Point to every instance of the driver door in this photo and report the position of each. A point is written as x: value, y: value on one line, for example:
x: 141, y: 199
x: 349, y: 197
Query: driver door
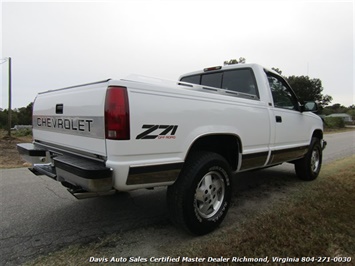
x: 291, y: 140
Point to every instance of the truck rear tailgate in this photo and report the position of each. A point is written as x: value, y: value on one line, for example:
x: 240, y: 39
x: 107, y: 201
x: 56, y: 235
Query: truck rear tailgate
x: 72, y: 118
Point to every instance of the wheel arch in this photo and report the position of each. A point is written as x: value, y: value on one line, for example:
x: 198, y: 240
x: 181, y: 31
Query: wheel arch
x: 227, y: 145
x: 317, y: 134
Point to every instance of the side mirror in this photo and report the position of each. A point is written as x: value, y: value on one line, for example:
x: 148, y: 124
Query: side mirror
x: 310, y: 107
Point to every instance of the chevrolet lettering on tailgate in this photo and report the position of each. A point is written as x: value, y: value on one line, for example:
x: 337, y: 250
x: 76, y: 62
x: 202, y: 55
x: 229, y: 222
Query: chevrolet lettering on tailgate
x: 84, y: 126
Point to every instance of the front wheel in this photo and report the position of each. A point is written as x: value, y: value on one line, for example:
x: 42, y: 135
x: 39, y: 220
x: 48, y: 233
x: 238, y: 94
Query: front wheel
x: 199, y: 200
x: 308, y: 168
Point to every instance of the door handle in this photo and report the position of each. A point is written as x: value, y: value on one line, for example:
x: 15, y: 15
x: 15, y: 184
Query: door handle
x: 278, y: 119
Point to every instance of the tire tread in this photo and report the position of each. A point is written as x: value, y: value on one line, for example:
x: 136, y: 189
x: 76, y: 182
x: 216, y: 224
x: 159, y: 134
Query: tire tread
x: 176, y: 194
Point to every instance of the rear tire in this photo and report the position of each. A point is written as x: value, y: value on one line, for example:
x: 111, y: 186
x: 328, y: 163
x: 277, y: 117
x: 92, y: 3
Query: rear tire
x: 199, y: 200
x: 308, y: 168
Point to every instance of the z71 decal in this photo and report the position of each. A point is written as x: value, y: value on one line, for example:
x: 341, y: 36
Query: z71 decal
x: 165, y: 132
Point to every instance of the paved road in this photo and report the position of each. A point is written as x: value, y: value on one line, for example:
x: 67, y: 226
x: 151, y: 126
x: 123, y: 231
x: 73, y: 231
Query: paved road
x: 38, y: 215
x: 340, y: 145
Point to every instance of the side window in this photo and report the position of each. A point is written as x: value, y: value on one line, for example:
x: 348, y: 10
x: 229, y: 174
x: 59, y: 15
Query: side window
x: 240, y: 80
x: 192, y: 79
x: 212, y: 80
x: 281, y: 93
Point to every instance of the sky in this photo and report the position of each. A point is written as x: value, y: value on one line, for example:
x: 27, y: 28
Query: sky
x: 59, y: 44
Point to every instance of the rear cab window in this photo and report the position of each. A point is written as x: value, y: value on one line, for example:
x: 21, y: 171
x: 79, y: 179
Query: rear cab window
x: 195, y: 79
x: 240, y: 82
x: 212, y: 80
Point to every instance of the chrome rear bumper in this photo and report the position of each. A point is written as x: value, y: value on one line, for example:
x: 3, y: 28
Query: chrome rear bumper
x: 82, y: 173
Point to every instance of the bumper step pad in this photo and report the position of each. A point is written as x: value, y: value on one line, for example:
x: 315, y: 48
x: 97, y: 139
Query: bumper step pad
x: 85, y: 168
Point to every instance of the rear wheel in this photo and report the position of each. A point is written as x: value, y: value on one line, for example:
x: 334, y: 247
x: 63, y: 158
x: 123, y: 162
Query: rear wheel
x: 308, y: 168
x: 199, y: 200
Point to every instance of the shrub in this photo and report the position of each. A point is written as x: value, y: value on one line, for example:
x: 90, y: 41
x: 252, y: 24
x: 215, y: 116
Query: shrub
x: 22, y: 132
x: 334, y: 122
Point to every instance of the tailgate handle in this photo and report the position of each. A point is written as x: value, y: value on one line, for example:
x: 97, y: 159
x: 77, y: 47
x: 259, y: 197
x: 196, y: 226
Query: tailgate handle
x: 59, y: 109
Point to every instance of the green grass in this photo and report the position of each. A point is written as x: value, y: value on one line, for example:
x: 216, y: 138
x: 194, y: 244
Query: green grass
x: 316, y: 219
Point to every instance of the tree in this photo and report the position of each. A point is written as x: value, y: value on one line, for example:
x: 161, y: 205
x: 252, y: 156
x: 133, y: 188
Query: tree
x: 241, y: 60
x: 277, y: 70
x: 309, y: 90
x: 21, y: 116
x: 338, y: 108
x: 3, y: 119
x: 351, y: 111
x: 25, y: 115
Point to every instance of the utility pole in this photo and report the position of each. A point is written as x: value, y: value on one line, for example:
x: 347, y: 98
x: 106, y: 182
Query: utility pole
x: 9, y: 82
x: 9, y: 110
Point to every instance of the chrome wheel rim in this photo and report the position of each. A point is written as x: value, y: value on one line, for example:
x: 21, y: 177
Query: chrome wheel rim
x: 209, y: 194
x: 315, y: 161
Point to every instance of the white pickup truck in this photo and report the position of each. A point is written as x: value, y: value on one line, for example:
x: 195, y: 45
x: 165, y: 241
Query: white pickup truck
x: 192, y: 135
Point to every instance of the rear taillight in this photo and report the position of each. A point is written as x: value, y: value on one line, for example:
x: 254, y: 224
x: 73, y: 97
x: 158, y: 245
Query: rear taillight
x: 117, y: 114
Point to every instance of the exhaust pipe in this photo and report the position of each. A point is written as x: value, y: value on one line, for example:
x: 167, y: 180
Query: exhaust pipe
x: 80, y: 193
